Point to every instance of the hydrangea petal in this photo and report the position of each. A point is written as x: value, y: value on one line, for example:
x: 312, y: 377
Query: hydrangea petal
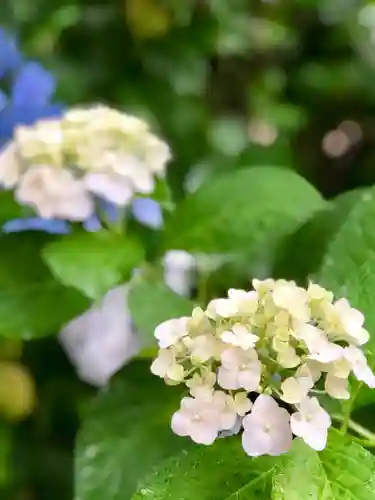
x: 148, y: 212
x: 52, y: 226
x: 13, y: 115
x: 10, y: 56
x: 33, y: 86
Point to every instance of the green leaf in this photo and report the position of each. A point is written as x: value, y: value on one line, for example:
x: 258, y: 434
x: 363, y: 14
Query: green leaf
x: 349, y: 468
x: 221, y: 471
x: 6, y: 445
x: 93, y: 262
x: 343, y: 471
x: 348, y: 267
x: 9, y: 208
x: 151, y: 303
x: 32, y: 302
x: 161, y: 194
x: 302, y: 253
x: 242, y: 212
x: 125, y: 435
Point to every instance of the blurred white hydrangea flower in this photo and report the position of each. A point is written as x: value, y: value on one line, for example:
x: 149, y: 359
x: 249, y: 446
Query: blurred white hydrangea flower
x: 102, y: 340
x: 275, y: 342
x: 62, y: 167
x: 54, y: 193
x: 179, y: 269
x: 99, y: 346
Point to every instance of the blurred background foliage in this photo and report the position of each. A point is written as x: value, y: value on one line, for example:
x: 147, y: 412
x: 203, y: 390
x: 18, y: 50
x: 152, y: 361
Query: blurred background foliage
x: 229, y: 83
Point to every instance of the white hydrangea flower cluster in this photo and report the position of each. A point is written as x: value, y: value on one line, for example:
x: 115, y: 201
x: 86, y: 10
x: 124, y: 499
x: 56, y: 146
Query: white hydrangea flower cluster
x: 60, y: 166
x: 279, y: 342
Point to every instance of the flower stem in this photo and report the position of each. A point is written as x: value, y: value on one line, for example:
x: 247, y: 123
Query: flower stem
x: 348, y: 410
x: 203, y: 287
x: 369, y: 437
x: 366, y: 443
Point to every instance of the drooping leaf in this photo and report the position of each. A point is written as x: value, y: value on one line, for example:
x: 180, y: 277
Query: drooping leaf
x: 32, y: 302
x: 125, y: 435
x: 243, y: 212
x: 93, y: 262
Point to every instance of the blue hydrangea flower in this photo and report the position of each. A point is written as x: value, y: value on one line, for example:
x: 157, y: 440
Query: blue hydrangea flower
x: 32, y: 88
x: 37, y: 224
x: 10, y: 57
x: 30, y: 98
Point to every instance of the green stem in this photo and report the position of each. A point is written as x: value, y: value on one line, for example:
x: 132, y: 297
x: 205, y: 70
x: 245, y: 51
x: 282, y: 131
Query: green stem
x: 348, y: 410
x: 203, y: 288
x: 368, y: 436
x: 366, y: 443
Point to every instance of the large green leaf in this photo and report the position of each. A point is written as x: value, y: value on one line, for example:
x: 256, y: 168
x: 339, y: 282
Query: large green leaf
x: 349, y: 469
x: 93, y: 262
x: 348, y: 267
x: 9, y: 208
x: 243, y: 212
x: 32, y: 302
x: 343, y: 471
x: 221, y: 471
x: 301, y: 254
x: 126, y: 433
x: 151, y: 302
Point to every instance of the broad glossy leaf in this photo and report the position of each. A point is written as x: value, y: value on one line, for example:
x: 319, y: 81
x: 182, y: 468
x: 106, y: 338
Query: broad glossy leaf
x: 302, y: 253
x: 125, y: 435
x: 242, y: 212
x: 348, y: 267
x: 32, y: 302
x: 221, y: 471
x: 343, y: 471
x: 93, y: 262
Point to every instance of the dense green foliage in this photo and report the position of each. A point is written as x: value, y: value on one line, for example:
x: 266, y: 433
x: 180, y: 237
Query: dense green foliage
x: 269, y: 108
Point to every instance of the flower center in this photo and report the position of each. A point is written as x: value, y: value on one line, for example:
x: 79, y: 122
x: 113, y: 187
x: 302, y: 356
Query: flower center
x: 267, y: 428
